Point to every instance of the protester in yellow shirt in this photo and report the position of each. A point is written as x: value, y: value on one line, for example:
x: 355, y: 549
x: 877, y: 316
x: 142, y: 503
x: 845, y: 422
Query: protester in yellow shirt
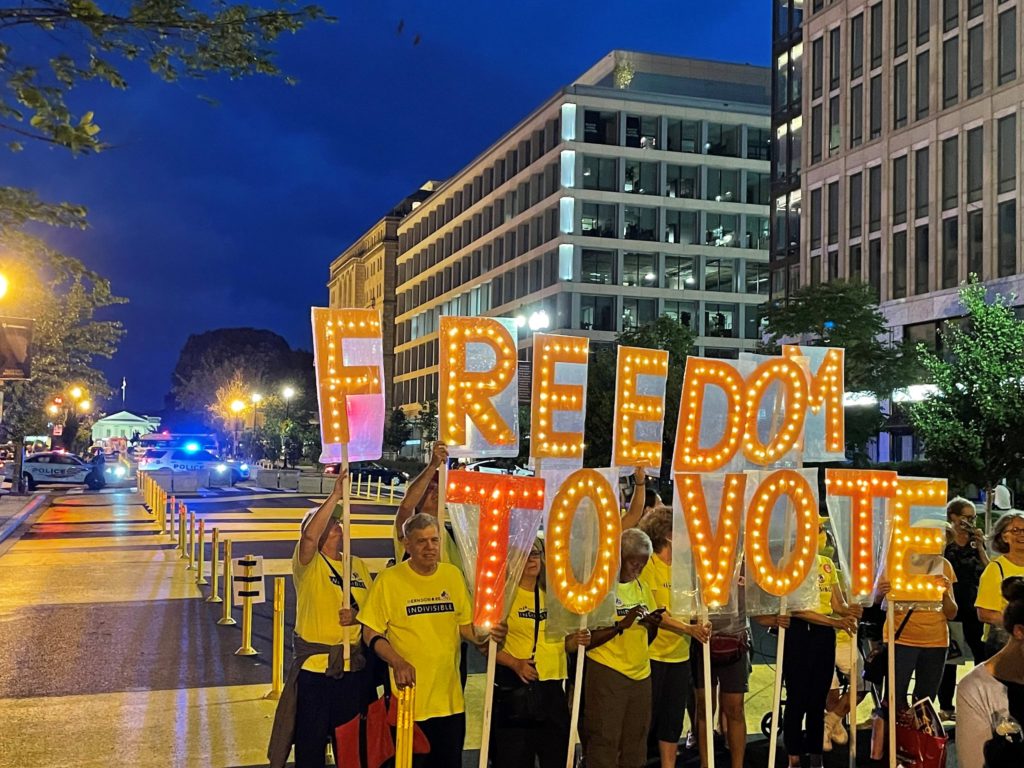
x: 413, y: 619
x: 1008, y: 541
x: 671, y: 685
x: 319, y: 694
x: 617, y: 676
x: 422, y: 496
x: 531, y: 714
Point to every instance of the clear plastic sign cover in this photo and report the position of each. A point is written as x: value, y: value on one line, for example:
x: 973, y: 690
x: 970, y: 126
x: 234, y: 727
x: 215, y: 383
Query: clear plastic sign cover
x: 639, y: 417
x: 912, y: 560
x: 558, y: 401
x: 825, y: 429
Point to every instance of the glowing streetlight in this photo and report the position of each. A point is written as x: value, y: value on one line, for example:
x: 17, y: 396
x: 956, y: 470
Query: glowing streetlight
x: 53, y: 409
x: 76, y: 392
x: 256, y: 398
x: 3, y: 285
x: 288, y: 392
x: 84, y: 406
x: 237, y: 406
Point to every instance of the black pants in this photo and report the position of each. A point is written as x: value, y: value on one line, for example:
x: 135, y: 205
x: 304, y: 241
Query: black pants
x: 807, y: 670
x: 973, y: 628
x: 522, y: 745
x: 323, y: 704
x: 670, y: 690
x: 446, y: 736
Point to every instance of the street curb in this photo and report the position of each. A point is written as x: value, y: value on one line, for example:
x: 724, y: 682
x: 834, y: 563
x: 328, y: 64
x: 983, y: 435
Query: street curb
x: 16, y: 520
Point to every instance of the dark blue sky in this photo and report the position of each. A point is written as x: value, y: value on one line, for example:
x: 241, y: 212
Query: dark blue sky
x: 208, y: 217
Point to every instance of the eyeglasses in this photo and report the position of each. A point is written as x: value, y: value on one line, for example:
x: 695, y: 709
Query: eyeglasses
x: 536, y: 554
x: 1015, y: 531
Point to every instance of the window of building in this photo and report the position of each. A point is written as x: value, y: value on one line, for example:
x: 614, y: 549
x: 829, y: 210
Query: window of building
x: 597, y: 313
x: 975, y: 8
x: 923, y: 20
x: 900, y: 95
x: 640, y: 269
x: 1006, y: 130
x: 834, y: 58
x: 682, y: 181
x: 950, y: 174
x: 640, y: 178
x: 875, y: 267
x: 1007, y: 230
x: 1007, y: 68
x: 683, y: 135
x: 975, y: 60
x: 817, y: 67
x: 899, y: 190
x: 816, y: 127
x: 600, y: 127
x: 683, y: 312
x: 680, y: 272
x: 855, y: 265
x: 723, y: 140
x: 758, y: 188
x: 751, y: 322
x: 856, y: 115
x: 639, y: 223
x: 637, y: 313
x: 950, y: 14
x: 922, y: 89
x: 720, y: 320
x: 874, y: 198
x: 834, y: 125
x: 877, y: 21
x: 833, y: 213
x: 857, y: 46
x: 816, y: 218
x: 757, y: 233
x: 855, y: 204
x: 875, y: 117
x: 815, y: 262
x: 597, y: 220
x: 720, y: 275
x: 723, y: 185
x: 975, y: 239
x: 901, y: 26
x: 681, y: 227
x: 950, y: 260
x: 600, y: 173
x: 921, y: 181
x: 950, y: 71
x: 975, y: 164
x: 722, y: 230
x: 757, y: 278
x: 921, y: 259
x: 642, y: 131
x: 758, y: 139
x: 899, y: 264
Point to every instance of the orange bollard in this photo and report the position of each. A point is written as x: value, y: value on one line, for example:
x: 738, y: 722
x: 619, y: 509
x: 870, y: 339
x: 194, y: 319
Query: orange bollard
x: 226, y: 618
x: 191, y: 542
x: 200, y: 578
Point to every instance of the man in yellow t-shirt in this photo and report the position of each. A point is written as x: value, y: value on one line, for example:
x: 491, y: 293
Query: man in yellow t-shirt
x: 319, y: 693
x: 413, y: 619
x: 617, y: 684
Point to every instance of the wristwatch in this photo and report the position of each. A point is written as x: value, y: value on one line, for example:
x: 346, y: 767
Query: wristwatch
x: 618, y: 628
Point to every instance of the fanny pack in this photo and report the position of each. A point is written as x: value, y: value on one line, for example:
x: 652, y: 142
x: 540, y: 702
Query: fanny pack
x: 728, y: 649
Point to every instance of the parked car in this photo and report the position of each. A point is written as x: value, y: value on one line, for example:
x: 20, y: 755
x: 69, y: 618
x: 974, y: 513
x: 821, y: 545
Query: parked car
x: 57, y: 467
x: 185, y: 460
x: 499, y: 467
x: 372, y: 470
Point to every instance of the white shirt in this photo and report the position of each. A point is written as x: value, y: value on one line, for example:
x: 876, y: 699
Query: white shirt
x: 979, y: 696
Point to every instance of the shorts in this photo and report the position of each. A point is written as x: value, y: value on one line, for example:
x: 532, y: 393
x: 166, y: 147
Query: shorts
x: 843, y: 664
x: 670, y: 691
x: 730, y: 678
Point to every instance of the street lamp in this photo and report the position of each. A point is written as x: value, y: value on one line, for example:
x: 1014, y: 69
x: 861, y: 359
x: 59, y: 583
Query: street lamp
x: 3, y: 285
x: 76, y: 393
x: 237, y: 406
x: 84, y: 406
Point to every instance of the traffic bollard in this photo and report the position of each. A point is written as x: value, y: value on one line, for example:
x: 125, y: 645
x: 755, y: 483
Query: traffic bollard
x: 214, y: 575
x: 392, y: 493
x: 226, y: 619
x: 182, y: 510
x: 200, y: 578
x: 172, y: 510
x: 246, y: 649
x: 379, y: 488
x: 191, y: 542
x: 277, y: 655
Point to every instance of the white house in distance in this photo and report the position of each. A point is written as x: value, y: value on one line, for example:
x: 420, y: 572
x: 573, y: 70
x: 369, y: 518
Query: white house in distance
x: 123, y: 424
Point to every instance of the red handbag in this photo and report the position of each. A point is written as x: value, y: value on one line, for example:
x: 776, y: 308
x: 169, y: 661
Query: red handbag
x: 367, y: 742
x: 921, y: 741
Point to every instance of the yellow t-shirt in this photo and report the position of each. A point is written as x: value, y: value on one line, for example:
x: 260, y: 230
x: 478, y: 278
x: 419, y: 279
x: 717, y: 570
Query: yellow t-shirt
x: 827, y: 578
x: 990, y: 588
x: 628, y: 653
x: 421, y: 616
x: 926, y: 628
x: 550, y: 656
x: 668, y: 646
x: 318, y: 600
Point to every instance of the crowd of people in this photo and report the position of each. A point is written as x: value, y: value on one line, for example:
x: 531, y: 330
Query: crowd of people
x: 643, y: 672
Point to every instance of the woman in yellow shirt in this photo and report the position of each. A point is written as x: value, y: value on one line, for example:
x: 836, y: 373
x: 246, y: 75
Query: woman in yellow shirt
x: 1008, y: 541
x: 531, y: 714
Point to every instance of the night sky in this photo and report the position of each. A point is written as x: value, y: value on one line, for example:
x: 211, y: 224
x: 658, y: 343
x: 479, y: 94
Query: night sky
x: 215, y: 216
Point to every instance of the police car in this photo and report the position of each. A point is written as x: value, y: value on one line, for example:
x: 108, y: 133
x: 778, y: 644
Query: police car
x: 58, y: 467
x: 191, y: 458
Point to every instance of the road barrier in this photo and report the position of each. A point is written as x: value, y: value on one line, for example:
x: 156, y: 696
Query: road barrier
x: 248, y: 586
x: 200, y: 578
x: 277, y: 655
x: 226, y: 619
x: 172, y: 511
x: 182, y: 510
x: 214, y: 575
x: 191, y: 542
x: 278, y: 479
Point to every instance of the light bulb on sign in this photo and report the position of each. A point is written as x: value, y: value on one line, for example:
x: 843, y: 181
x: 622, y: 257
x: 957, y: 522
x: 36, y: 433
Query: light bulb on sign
x: 906, y: 542
x: 700, y: 374
x: 780, y: 579
x: 632, y: 407
x: 550, y: 354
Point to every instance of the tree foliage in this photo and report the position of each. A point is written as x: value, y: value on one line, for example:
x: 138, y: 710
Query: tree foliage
x: 48, y: 48
x: 396, y: 431
x: 842, y: 314
x: 973, y: 426
x: 664, y: 333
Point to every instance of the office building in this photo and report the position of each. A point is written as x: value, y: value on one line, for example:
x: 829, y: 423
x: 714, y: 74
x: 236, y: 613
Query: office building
x: 640, y: 189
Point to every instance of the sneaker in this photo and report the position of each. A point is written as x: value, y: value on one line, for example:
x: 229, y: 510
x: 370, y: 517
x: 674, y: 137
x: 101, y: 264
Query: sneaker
x: 827, y: 741
x: 835, y: 728
x: 947, y: 715
x: 691, y: 740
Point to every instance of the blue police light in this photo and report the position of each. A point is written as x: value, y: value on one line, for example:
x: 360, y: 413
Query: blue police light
x: 192, y: 447
x: 829, y: 325
x: 245, y: 467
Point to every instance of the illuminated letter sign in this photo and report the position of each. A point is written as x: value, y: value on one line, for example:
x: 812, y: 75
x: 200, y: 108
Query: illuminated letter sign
x: 641, y: 375
x: 783, y: 578
x: 559, y: 397
x: 714, y: 548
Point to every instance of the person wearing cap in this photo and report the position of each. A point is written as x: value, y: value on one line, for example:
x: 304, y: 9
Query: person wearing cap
x: 319, y: 694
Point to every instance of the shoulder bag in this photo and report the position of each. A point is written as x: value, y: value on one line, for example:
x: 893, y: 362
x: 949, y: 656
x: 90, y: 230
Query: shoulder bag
x: 516, y: 702
x: 876, y: 665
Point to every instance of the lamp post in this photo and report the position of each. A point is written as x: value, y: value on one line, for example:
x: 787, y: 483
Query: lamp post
x: 237, y: 406
x: 287, y: 393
